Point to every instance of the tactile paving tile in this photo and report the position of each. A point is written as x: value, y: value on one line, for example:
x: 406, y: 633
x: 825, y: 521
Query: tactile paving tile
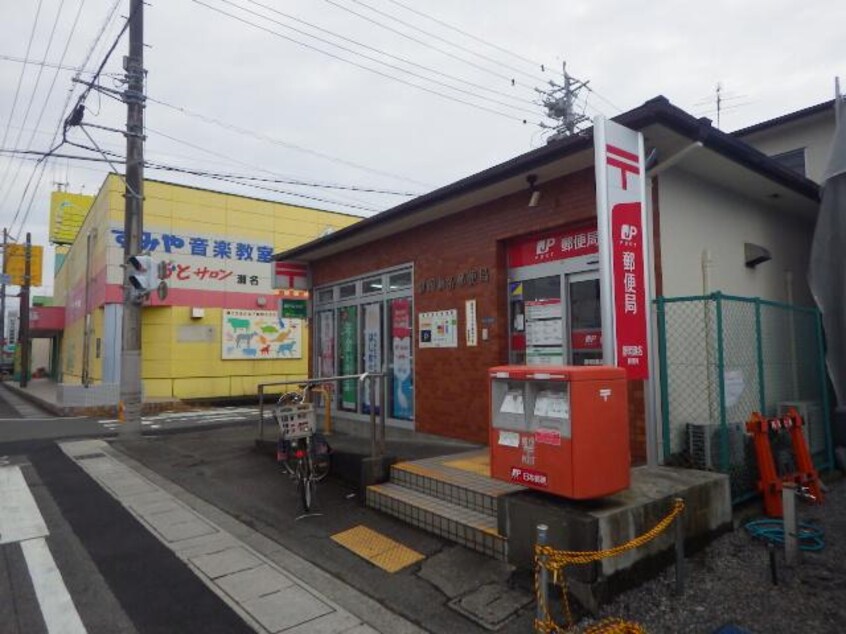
x: 381, y: 551
x: 480, y: 465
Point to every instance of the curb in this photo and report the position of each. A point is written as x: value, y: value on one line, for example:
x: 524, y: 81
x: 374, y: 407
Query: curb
x: 98, y: 410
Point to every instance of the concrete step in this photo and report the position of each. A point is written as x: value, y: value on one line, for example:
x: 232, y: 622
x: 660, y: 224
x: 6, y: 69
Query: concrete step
x: 477, y: 531
x: 448, y: 478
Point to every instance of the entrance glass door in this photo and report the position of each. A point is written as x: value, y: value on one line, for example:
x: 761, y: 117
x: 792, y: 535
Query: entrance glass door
x: 537, y: 321
x: 585, y: 319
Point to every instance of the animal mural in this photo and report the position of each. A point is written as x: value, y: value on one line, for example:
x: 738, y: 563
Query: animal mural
x: 260, y: 334
x: 246, y: 337
x: 238, y: 323
x: 285, y: 349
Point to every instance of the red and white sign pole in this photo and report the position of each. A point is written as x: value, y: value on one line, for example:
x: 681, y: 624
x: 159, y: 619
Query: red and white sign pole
x: 623, y: 246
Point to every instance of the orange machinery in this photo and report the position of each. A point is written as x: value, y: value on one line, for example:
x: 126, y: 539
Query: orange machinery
x: 560, y: 429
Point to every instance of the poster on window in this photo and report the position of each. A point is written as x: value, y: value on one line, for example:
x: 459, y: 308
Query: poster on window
x: 403, y: 397
x: 260, y: 334
x: 372, y: 350
x: 326, y: 338
x: 348, y: 353
x: 438, y: 329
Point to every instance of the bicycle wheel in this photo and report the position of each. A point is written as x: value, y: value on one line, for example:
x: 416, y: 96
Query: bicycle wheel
x: 305, y: 485
x: 321, y: 461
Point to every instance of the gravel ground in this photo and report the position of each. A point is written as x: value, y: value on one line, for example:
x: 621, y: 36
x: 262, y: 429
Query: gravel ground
x: 729, y: 583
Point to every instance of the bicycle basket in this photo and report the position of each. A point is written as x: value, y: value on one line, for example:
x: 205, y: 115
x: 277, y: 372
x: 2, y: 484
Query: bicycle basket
x: 296, y: 421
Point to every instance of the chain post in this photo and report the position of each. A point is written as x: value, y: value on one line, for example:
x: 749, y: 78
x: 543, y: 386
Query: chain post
x: 679, y: 533
x: 542, y: 577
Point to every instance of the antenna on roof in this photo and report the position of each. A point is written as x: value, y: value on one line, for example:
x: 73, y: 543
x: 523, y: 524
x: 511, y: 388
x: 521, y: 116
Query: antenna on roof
x: 560, y: 103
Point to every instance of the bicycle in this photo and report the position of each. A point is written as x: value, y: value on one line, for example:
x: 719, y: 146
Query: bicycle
x: 303, y: 452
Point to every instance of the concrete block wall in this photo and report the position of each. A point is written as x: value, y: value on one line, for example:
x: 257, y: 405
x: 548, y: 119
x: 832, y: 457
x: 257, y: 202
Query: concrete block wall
x: 71, y: 395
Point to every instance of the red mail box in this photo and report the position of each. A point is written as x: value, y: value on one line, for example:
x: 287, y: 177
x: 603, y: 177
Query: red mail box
x: 560, y: 429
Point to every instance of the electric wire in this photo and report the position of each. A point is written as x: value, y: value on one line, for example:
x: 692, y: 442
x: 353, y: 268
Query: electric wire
x: 62, y: 124
x: 452, y: 55
x: 52, y: 84
x: 224, y: 156
x: 32, y: 62
x: 237, y: 179
x: 390, y: 55
x: 543, y: 67
x: 21, y: 75
x: 38, y: 75
x: 470, y: 35
x: 432, y: 46
x: 362, y: 66
x: 379, y: 61
x: 292, y: 146
x: 446, y: 41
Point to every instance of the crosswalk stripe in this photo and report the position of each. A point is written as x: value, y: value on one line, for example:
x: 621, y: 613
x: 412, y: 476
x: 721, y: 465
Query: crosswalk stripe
x: 21, y: 521
x: 221, y: 414
x: 57, y: 608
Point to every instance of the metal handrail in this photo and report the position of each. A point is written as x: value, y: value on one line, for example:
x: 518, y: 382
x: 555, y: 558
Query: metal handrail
x: 377, y: 438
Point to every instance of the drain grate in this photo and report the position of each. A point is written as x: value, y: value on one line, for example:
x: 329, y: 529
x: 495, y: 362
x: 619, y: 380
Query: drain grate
x: 89, y: 456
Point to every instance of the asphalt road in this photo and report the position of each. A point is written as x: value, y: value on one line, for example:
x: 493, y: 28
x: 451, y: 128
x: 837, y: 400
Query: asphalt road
x: 221, y: 467
x: 123, y: 579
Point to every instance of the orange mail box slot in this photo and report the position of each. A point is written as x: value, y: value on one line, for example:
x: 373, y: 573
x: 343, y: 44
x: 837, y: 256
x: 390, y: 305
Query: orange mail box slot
x: 560, y: 429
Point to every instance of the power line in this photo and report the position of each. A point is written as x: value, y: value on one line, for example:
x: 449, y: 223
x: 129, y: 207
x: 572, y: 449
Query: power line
x: 444, y: 40
x: 392, y: 56
x: 218, y: 154
x: 542, y: 66
x: 383, y: 63
x: 31, y: 62
x: 470, y: 35
x: 362, y: 66
x: 28, y: 109
x: 429, y: 45
x: 75, y: 114
x: 32, y: 154
x: 21, y: 75
x: 52, y: 82
x: 263, y: 137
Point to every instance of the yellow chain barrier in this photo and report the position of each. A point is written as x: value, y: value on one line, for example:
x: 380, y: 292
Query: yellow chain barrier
x: 556, y: 560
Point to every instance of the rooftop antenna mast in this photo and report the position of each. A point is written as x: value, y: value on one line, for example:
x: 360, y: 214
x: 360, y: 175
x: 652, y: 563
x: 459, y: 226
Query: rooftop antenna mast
x: 560, y: 103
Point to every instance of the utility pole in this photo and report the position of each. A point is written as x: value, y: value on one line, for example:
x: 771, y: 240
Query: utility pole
x: 560, y: 104
x: 23, y: 329
x: 130, y: 365
x: 3, y: 295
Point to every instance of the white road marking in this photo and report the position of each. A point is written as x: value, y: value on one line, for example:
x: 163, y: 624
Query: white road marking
x: 21, y: 521
x: 57, y: 608
x: 196, y: 417
x: 19, y: 515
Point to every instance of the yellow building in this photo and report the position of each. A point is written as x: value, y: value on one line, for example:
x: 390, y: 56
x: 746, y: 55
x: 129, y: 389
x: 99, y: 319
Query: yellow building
x: 217, y: 333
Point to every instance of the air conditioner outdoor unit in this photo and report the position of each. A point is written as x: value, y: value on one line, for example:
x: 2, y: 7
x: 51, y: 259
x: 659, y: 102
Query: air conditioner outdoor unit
x: 814, y: 430
x: 704, y: 443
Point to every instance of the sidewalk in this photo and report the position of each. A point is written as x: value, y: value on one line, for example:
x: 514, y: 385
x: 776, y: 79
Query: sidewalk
x: 263, y: 582
x: 45, y: 394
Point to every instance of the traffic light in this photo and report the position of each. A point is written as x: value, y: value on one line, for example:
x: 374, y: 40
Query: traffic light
x: 142, y: 274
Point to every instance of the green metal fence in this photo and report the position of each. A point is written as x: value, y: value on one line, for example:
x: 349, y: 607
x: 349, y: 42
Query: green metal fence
x: 724, y: 357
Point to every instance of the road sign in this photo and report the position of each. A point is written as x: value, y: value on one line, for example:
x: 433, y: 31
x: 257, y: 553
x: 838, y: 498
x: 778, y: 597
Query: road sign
x: 14, y: 264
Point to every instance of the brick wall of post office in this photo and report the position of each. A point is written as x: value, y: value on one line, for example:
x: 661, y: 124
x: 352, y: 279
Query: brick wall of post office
x: 451, y: 392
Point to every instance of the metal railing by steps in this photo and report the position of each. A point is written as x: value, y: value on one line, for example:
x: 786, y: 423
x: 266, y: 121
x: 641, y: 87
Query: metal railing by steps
x: 448, y: 496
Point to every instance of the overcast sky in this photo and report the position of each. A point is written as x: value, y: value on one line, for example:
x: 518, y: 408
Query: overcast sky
x: 363, y: 113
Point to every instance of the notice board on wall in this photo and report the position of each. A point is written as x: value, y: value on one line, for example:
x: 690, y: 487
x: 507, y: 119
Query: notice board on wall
x: 438, y: 329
